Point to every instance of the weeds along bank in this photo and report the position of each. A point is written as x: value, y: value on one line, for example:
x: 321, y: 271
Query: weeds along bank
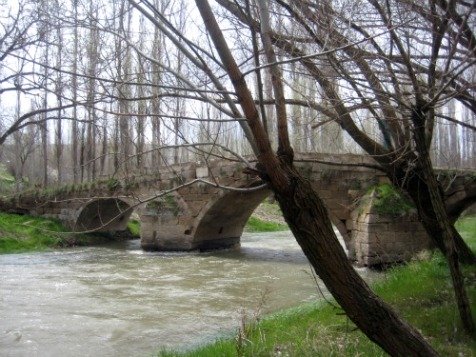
x: 420, y: 291
x: 20, y: 233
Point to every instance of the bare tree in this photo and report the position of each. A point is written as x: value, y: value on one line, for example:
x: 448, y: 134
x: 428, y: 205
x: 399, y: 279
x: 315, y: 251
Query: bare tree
x: 361, y: 69
x: 17, y: 34
x: 302, y: 208
x: 74, y: 90
x: 385, y: 71
x: 58, y: 87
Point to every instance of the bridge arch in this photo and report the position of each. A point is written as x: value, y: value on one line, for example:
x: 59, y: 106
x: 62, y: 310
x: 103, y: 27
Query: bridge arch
x: 104, y: 215
x: 222, y: 221
x: 469, y: 210
x: 457, y: 207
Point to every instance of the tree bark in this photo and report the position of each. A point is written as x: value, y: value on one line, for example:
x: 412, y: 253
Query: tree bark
x: 442, y: 220
x: 419, y: 189
x: 387, y: 158
x: 74, y: 89
x: 307, y: 217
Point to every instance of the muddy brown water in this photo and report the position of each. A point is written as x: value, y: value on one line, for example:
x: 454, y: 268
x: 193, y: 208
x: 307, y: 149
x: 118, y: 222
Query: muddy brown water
x: 118, y: 300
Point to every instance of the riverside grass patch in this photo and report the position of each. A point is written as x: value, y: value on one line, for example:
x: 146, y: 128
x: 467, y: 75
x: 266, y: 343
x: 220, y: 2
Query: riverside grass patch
x: 267, y: 217
x: 21, y: 233
x: 420, y: 291
x: 134, y: 227
x: 257, y: 225
x: 467, y: 228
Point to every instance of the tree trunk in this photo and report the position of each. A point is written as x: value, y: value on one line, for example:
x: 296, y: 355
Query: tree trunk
x: 452, y: 257
x: 307, y: 217
x: 74, y: 85
x: 442, y: 220
x: 59, y: 98
x: 104, y: 149
x: 418, y: 187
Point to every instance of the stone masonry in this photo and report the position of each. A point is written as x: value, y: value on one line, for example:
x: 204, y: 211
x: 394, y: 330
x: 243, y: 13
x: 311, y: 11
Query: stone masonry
x: 381, y: 239
x: 193, y: 206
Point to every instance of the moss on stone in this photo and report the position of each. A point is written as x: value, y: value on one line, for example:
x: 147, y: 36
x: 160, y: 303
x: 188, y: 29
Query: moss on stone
x: 167, y: 202
x: 388, y: 200
x: 385, y: 199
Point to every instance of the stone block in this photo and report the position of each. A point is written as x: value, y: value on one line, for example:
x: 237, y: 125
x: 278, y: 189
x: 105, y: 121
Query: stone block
x: 185, y: 221
x: 381, y: 238
x: 400, y: 246
x: 195, y: 207
x: 350, y: 224
x: 227, y: 181
x: 353, y: 194
x: 380, y: 227
x: 370, y: 218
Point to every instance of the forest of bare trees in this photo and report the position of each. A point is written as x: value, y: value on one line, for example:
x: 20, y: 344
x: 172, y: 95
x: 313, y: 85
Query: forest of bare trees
x: 94, y: 89
x: 106, y: 89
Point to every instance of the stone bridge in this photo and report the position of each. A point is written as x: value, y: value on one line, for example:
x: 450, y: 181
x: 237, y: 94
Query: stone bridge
x: 200, y: 207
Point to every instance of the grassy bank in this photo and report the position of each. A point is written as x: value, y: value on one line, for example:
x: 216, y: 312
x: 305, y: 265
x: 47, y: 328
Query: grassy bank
x: 21, y: 233
x: 266, y: 218
x: 256, y: 225
x: 467, y: 228
x: 420, y: 291
x: 134, y: 228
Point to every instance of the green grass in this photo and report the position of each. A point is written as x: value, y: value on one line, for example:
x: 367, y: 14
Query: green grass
x: 256, y: 224
x: 20, y: 233
x: 420, y: 291
x: 134, y: 227
x: 467, y: 228
x: 266, y: 218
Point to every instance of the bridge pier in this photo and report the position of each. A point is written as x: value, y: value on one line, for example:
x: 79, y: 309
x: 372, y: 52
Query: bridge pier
x: 198, y: 223
x: 159, y: 235
x: 165, y: 225
x: 381, y: 238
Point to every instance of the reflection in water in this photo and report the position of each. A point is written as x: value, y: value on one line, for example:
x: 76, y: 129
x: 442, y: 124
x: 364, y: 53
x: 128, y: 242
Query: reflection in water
x: 120, y: 301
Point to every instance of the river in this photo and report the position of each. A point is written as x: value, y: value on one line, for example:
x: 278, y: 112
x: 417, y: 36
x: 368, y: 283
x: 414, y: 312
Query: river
x: 117, y: 300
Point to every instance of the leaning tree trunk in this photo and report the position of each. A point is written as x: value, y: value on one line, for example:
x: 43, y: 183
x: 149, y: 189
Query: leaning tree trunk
x: 417, y: 186
x: 436, y: 221
x: 429, y: 220
x: 449, y: 237
x: 307, y: 217
x: 442, y: 220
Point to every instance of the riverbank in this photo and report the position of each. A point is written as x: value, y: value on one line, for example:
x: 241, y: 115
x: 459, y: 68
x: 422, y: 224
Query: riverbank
x: 22, y: 233
x: 420, y: 291
x: 267, y: 217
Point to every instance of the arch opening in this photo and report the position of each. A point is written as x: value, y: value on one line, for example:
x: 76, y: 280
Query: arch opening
x: 104, y: 215
x: 470, y: 210
x: 223, y: 222
x: 463, y: 208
